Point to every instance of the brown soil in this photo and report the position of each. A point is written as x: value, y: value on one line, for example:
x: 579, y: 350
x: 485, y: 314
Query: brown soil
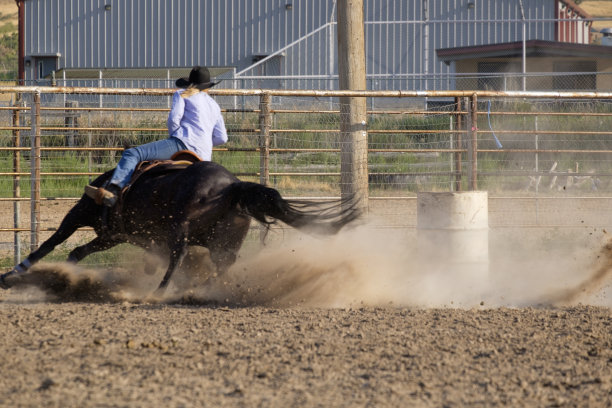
x: 355, y: 320
x: 178, y: 355
x: 298, y: 325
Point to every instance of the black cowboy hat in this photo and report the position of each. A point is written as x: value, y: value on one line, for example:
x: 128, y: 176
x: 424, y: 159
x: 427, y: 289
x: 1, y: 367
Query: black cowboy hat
x: 199, y: 77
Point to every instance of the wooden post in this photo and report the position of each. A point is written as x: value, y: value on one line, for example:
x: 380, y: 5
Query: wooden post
x: 89, y: 145
x: 70, y: 121
x: 35, y: 173
x: 264, y: 151
x: 458, y: 143
x: 351, y: 71
x: 16, y: 184
x: 473, y: 150
x: 264, y: 139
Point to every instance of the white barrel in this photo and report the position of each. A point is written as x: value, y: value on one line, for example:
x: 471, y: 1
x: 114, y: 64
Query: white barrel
x: 453, y: 232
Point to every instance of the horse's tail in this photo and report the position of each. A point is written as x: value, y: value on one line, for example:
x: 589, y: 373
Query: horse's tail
x: 266, y: 205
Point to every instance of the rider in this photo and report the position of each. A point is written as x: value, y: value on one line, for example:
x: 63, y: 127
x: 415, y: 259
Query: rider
x: 195, y: 123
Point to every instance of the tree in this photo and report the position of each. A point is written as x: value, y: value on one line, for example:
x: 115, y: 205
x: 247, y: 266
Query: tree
x: 8, y: 56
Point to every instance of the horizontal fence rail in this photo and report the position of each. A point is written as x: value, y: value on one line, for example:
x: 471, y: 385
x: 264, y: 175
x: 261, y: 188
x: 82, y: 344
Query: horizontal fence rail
x: 524, y: 145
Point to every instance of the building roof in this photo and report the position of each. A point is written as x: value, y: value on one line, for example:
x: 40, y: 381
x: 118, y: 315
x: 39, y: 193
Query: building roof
x: 533, y: 48
x: 133, y: 73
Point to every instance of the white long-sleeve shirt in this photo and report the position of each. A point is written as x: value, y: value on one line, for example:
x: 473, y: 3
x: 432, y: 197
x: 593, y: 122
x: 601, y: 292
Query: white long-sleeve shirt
x: 197, y: 122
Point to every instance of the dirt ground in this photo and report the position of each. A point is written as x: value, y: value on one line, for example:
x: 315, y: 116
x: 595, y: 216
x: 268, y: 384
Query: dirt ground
x: 142, y: 355
x: 355, y: 320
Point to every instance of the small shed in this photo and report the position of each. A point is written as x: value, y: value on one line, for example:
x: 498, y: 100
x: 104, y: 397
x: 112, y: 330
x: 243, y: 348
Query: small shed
x: 553, y: 65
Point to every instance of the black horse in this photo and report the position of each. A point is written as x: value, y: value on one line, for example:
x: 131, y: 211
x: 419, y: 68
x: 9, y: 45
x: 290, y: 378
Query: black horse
x: 170, y: 208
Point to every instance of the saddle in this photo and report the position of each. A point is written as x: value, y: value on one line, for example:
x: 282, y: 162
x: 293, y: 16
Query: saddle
x: 179, y: 161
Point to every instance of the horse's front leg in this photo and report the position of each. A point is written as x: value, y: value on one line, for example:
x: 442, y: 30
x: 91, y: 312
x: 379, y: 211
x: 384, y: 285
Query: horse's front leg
x: 68, y: 226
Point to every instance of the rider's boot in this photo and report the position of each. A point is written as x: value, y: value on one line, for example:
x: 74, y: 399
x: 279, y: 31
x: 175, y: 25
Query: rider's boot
x: 106, y: 196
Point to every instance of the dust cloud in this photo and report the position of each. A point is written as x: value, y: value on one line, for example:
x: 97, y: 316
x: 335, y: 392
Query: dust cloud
x: 369, y: 266
x: 364, y: 266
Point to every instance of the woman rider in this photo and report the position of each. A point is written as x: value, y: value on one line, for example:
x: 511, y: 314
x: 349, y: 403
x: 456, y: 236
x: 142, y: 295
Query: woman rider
x: 195, y: 123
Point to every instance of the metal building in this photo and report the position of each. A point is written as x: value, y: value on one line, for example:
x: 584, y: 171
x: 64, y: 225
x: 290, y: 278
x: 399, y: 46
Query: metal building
x: 272, y: 43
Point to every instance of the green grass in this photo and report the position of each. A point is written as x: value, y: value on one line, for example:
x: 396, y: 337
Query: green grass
x: 243, y: 162
x: 57, y: 186
x: 117, y: 255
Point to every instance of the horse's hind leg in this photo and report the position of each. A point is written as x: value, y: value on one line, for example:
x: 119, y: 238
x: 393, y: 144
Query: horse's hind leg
x: 223, y: 258
x: 226, y: 242
x: 178, y: 251
x: 96, y: 245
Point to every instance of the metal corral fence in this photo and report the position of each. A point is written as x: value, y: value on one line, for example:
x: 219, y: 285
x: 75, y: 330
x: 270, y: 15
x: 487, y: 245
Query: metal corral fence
x: 543, y: 157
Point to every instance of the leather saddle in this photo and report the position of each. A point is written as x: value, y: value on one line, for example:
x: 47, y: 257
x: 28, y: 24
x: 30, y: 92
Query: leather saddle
x: 179, y: 161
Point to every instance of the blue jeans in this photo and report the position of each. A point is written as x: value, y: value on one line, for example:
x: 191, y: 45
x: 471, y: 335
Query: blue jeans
x: 159, y: 150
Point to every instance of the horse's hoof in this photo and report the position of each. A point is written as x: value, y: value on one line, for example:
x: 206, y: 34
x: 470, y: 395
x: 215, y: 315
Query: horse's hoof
x: 6, y: 278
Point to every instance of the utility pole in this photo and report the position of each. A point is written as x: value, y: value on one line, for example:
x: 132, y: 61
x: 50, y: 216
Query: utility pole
x: 351, y: 71
x: 21, y: 41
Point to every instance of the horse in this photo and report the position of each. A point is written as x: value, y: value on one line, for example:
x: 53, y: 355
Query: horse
x: 171, y: 207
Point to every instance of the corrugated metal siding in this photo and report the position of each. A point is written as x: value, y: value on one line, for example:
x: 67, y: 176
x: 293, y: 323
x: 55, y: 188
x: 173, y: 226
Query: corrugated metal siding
x: 401, y: 36
x: 167, y: 33
x: 406, y: 43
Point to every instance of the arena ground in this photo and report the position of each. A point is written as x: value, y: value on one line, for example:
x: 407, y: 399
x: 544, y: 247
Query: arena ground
x: 73, y: 354
x: 359, y: 319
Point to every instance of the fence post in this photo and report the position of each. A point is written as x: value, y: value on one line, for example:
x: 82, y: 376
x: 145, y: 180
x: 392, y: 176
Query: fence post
x: 473, y: 142
x: 16, y: 182
x: 70, y: 121
x: 353, y: 110
x: 264, y: 139
x: 35, y: 173
x: 458, y: 143
x: 264, y: 150
x: 100, y: 86
x: 89, y: 145
x: 537, y: 169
